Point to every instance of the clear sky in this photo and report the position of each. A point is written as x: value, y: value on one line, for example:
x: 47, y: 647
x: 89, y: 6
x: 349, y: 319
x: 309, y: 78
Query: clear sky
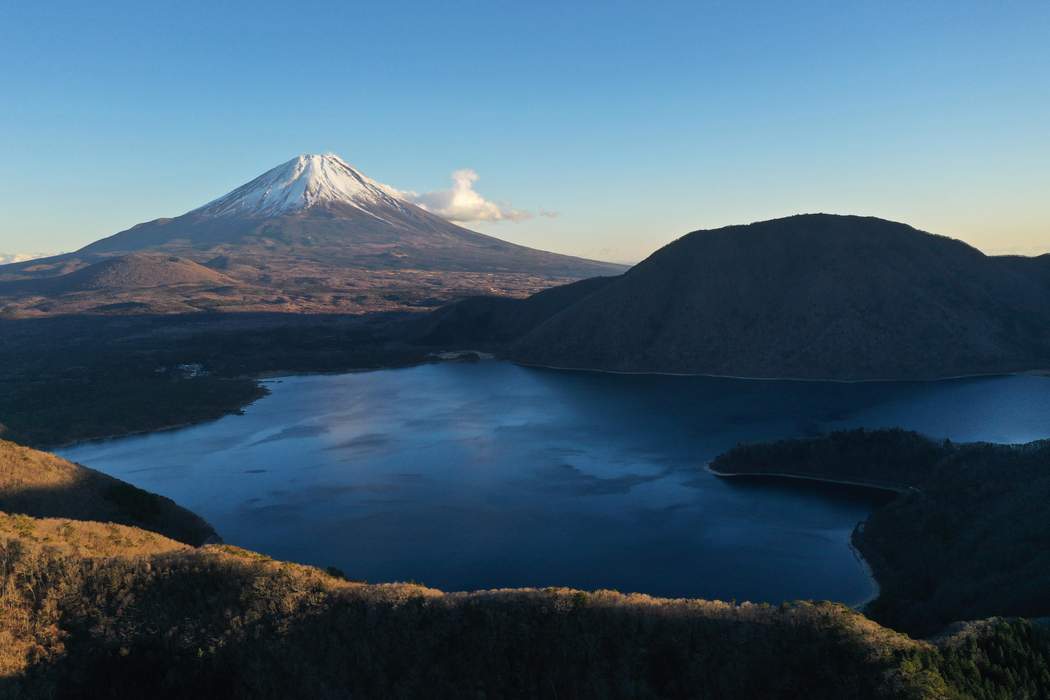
x: 634, y: 122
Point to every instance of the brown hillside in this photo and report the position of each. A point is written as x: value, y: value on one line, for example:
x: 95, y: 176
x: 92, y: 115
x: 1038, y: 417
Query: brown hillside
x: 225, y: 622
x: 42, y: 485
x: 140, y: 271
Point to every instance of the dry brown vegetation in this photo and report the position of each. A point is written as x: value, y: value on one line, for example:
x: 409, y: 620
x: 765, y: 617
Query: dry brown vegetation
x: 27, y: 632
x: 43, y: 485
x: 224, y: 622
x: 85, y: 538
x: 299, y: 288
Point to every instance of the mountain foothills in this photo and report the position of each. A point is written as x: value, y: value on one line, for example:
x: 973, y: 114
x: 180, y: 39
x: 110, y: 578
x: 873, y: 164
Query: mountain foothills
x: 811, y: 296
x: 312, y: 234
x: 94, y: 609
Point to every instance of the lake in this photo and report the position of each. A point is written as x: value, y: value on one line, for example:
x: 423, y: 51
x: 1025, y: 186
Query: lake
x: 486, y: 475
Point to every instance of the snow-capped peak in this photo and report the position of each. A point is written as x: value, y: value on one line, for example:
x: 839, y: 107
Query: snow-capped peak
x: 303, y: 182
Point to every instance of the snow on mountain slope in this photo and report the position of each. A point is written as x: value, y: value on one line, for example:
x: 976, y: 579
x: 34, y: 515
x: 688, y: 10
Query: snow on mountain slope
x: 301, y: 183
x: 315, y: 216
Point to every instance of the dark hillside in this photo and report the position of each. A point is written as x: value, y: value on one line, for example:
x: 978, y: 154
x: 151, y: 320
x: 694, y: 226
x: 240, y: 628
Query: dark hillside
x: 809, y: 296
x: 486, y: 321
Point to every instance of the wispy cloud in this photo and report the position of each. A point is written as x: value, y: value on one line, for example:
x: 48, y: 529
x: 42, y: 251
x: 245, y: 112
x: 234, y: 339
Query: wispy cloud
x: 8, y: 258
x: 462, y: 203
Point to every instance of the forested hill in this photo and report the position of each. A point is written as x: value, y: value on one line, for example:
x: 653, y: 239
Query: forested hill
x: 968, y: 537
x: 811, y: 296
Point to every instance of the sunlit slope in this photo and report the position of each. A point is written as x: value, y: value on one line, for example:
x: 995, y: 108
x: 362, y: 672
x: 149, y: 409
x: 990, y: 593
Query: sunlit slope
x: 42, y: 485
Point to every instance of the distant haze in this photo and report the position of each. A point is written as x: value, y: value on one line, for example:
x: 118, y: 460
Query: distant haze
x: 6, y: 258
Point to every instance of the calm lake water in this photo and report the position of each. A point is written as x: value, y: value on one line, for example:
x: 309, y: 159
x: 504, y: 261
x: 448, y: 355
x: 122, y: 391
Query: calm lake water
x: 465, y: 476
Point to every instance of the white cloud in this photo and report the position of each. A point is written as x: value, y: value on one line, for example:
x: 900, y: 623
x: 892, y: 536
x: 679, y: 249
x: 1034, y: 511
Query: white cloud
x: 8, y: 258
x: 463, y: 204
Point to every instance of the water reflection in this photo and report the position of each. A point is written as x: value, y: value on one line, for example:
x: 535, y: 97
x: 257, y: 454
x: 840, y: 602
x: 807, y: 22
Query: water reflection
x: 488, y: 475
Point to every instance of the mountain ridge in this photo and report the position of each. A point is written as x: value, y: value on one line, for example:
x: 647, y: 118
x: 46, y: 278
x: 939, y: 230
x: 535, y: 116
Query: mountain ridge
x: 811, y: 296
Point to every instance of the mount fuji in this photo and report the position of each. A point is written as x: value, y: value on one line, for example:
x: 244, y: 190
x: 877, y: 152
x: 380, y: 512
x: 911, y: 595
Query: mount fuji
x: 320, y: 207
x: 312, y: 234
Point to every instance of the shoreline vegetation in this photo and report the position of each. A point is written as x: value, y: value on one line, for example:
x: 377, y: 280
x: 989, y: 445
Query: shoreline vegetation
x: 65, y: 380
x: 237, y: 405
x: 69, y: 380
x: 891, y: 488
x: 809, y: 380
x: 939, y: 549
x: 881, y: 489
x: 797, y: 478
x: 859, y: 556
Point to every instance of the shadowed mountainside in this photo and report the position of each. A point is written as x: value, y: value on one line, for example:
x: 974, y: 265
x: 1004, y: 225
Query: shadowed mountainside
x: 491, y: 322
x: 809, y: 296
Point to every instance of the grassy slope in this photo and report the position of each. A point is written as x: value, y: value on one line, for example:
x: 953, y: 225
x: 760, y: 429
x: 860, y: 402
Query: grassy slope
x: 968, y: 538
x: 43, y: 485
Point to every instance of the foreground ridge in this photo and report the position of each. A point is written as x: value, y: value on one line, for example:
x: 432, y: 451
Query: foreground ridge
x: 221, y: 621
x: 95, y: 609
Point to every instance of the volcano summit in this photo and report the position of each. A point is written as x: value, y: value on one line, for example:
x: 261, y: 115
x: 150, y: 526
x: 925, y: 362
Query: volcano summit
x: 312, y: 234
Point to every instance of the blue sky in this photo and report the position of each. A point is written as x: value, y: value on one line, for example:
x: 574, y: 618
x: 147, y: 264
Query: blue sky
x: 635, y: 122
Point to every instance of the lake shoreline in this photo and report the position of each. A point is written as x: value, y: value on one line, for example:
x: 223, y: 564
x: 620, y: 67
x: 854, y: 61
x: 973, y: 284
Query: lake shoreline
x: 589, y: 402
x: 806, y: 477
x: 329, y: 415
x: 859, y: 528
x: 260, y: 378
x: 813, y: 380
